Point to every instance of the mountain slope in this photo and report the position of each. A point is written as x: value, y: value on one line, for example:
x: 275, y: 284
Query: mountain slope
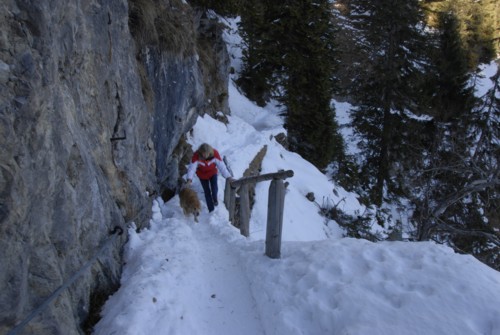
x: 205, y: 278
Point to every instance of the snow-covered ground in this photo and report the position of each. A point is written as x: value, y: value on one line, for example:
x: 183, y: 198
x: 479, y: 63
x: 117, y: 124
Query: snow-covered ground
x: 204, y: 278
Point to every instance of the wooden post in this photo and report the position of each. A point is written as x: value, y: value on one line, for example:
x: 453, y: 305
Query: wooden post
x: 244, y: 211
x: 275, y: 208
x: 227, y: 193
x: 232, y: 204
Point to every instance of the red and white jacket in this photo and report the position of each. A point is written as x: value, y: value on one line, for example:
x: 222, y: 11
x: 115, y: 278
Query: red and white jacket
x: 206, y: 169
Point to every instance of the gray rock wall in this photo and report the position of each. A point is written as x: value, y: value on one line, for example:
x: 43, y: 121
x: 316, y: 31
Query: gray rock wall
x: 175, y: 80
x: 84, y: 147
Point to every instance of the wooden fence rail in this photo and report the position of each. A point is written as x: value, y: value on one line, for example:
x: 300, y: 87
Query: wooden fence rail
x: 262, y: 177
x: 275, y: 207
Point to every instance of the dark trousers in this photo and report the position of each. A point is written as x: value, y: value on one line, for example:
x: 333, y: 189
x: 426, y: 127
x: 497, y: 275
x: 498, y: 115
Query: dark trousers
x: 210, y: 189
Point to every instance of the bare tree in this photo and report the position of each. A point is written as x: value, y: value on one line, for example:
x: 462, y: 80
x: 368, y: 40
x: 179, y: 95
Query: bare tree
x: 457, y: 194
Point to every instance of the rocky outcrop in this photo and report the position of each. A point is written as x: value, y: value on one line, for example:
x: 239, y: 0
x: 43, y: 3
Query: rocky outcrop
x: 90, y: 117
x: 185, y: 68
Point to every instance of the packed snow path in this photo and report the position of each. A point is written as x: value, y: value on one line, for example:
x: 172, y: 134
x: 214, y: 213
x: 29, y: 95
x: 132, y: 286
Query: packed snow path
x: 223, y: 303
x: 202, y: 279
x: 182, y: 253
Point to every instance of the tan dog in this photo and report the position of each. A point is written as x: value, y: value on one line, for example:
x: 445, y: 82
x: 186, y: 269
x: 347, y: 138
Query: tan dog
x: 189, y: 202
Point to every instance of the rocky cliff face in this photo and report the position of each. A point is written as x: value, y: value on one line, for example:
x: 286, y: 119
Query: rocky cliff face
x: 91, y: 115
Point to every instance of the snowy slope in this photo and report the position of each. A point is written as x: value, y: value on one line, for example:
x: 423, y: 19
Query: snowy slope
x: 205, y: 278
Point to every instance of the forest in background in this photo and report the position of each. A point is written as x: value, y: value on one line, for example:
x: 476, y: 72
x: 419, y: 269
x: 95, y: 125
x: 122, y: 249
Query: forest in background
x: 427, y: 143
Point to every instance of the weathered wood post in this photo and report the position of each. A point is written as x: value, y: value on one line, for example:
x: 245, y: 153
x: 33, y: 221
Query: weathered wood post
x: 232, y: 203
x: 244, y: 211
x: 275, y: 208
x: 227, y: 193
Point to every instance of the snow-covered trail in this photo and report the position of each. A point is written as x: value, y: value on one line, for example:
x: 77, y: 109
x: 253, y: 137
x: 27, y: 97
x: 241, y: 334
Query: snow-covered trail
x: 205, y: 279
x: 224, y: 302
x: 193, y: 282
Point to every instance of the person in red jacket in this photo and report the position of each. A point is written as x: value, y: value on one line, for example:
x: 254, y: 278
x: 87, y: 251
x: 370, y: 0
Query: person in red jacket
x: 206, y: 162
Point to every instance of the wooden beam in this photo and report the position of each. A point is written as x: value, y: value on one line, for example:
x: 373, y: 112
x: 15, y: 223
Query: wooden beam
x: 262, y: 177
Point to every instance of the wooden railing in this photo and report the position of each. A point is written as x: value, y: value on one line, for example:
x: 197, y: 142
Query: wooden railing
x: 275, y: 207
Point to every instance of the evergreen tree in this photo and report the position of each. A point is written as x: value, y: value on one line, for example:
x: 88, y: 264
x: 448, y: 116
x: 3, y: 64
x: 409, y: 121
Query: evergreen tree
x: 391, y: 38
x: 261, y: 49
x: 483, y: 168
x: 477, y: 26
x: 485, y: 124
x: 461, y: 183
x: 452, y: 104
x: 460, y: 178
x: 290, y: 55
x: 307, y: 72
x: 453, y: 94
